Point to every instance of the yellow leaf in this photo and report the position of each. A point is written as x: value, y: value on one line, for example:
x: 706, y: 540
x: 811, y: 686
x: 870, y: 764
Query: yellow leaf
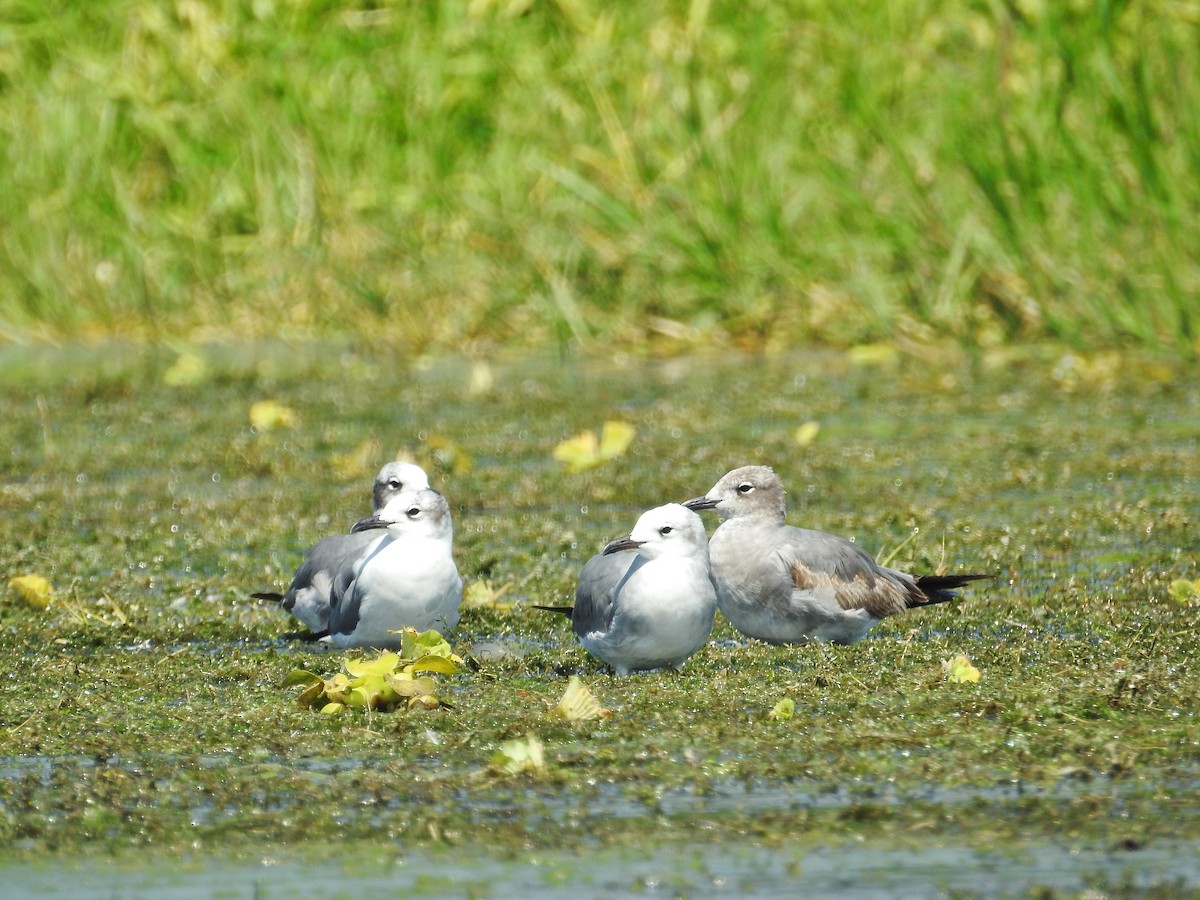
x: 784, y: 709
x: 1182, y: 589
x: 449, y: 455
x: 578, y: 704
x: 579, y: 452
x: 873, y: 354
x: 586, y: 451
x: 32, y: 590
x: 266, y: 415
x: 332, y: 709
x: 384, y: 664
x: 480, y: 594
x: 615, y: 439
x: 188, y: 369
x: 438, y: 665
x: 960, y: 670
x: 520, y: 756
x: 806, y: 433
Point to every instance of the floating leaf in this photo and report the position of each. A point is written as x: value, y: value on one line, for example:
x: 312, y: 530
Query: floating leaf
x: 783, y: 710
x: 383, y: 664
x: 586, y: 451
x: 414, y: 645
x: 299, y: 676
x: 311, y: 695
x: 480, y: 380
x: 332, y: 709
x: 266, y: 415
x: 480, y: 594
x: 960, y: 670
x: 360, y: 461
x: 520, y: 755
x: 578, y: 704
x: 438, y: 665
x: 449, y: 455
x: 873, y: 354
x: 806, y: 433
x: 188, y: 369
x: 32, y: 590
x: 1183, y: 590
x: 615, y: 438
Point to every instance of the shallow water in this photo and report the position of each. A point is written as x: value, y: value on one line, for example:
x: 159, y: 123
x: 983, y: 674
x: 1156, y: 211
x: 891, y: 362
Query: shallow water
x: 1169, y: 870
x: 142, y: 716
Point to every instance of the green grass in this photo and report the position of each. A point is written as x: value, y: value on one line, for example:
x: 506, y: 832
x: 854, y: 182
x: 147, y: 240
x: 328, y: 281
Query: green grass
x: 545, y: 173
x: 144, y: 708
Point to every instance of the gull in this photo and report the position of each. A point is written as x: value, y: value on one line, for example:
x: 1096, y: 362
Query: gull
x: 405, y: 577
x: 308, y: 596
x: 788, y: 585
x: 647, y: 600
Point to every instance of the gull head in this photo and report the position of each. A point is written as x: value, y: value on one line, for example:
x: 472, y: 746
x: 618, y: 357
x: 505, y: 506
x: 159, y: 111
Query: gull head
x: 423, y: 513
x: 665, y: 531
x: 394, y: 479
x: 748, y: 491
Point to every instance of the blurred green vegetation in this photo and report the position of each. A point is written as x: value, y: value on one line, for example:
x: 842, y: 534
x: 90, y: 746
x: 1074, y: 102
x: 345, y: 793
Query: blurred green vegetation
x: 470, y: 173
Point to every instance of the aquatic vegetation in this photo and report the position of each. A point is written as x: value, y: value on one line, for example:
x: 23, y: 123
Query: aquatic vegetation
x: 386, y: 682
x: 143, y: 708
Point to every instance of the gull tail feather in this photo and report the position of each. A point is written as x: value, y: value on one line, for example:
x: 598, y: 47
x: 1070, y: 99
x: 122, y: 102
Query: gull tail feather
x: 561, y: 610
x: 940, y: 588
x: 268, y: 595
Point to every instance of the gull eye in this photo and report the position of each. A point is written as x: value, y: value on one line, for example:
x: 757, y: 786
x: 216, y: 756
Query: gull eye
x: 395, y: 484
x: 745, y: 487
x: 665, y: 530
x: 414, y: 512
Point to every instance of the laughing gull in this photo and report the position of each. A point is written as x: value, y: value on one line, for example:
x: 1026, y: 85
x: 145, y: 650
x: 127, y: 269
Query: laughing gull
x: 788, y: 585
x: 405, y: 577
x: 648, y: 600
x: 308, y: 597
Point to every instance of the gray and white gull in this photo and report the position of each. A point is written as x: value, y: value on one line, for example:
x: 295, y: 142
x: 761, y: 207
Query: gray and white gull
x: 647, y: 601
x: 406, y: 577
x: 786, y: 585
x: 308, y: 596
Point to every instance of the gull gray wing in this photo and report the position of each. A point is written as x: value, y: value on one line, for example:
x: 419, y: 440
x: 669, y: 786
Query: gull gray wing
x: 344, y: 601
x: 599, y: 581
x: 323, y: 561
x: 827, y: 563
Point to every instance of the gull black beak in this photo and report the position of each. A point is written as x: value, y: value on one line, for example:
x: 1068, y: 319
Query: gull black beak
x: 368, y: 523
x: 625, y: 543
x: 696, y: 504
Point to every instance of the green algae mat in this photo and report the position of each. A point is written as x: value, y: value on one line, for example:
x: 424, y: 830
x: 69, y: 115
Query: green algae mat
x: 145, y: 699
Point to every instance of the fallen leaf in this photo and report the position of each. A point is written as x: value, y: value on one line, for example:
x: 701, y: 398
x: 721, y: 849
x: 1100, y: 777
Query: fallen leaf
x: 807, y: 433
x: 1183, y: 590
x: 960, y: 670
x: 520, y: 755
x: 479, y: 594
x: 266, y: 415
x: 783, y: 710
x: 578, y: 704
x: 188, y: 369
x: 586, y: 451
x: 32, y: 590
